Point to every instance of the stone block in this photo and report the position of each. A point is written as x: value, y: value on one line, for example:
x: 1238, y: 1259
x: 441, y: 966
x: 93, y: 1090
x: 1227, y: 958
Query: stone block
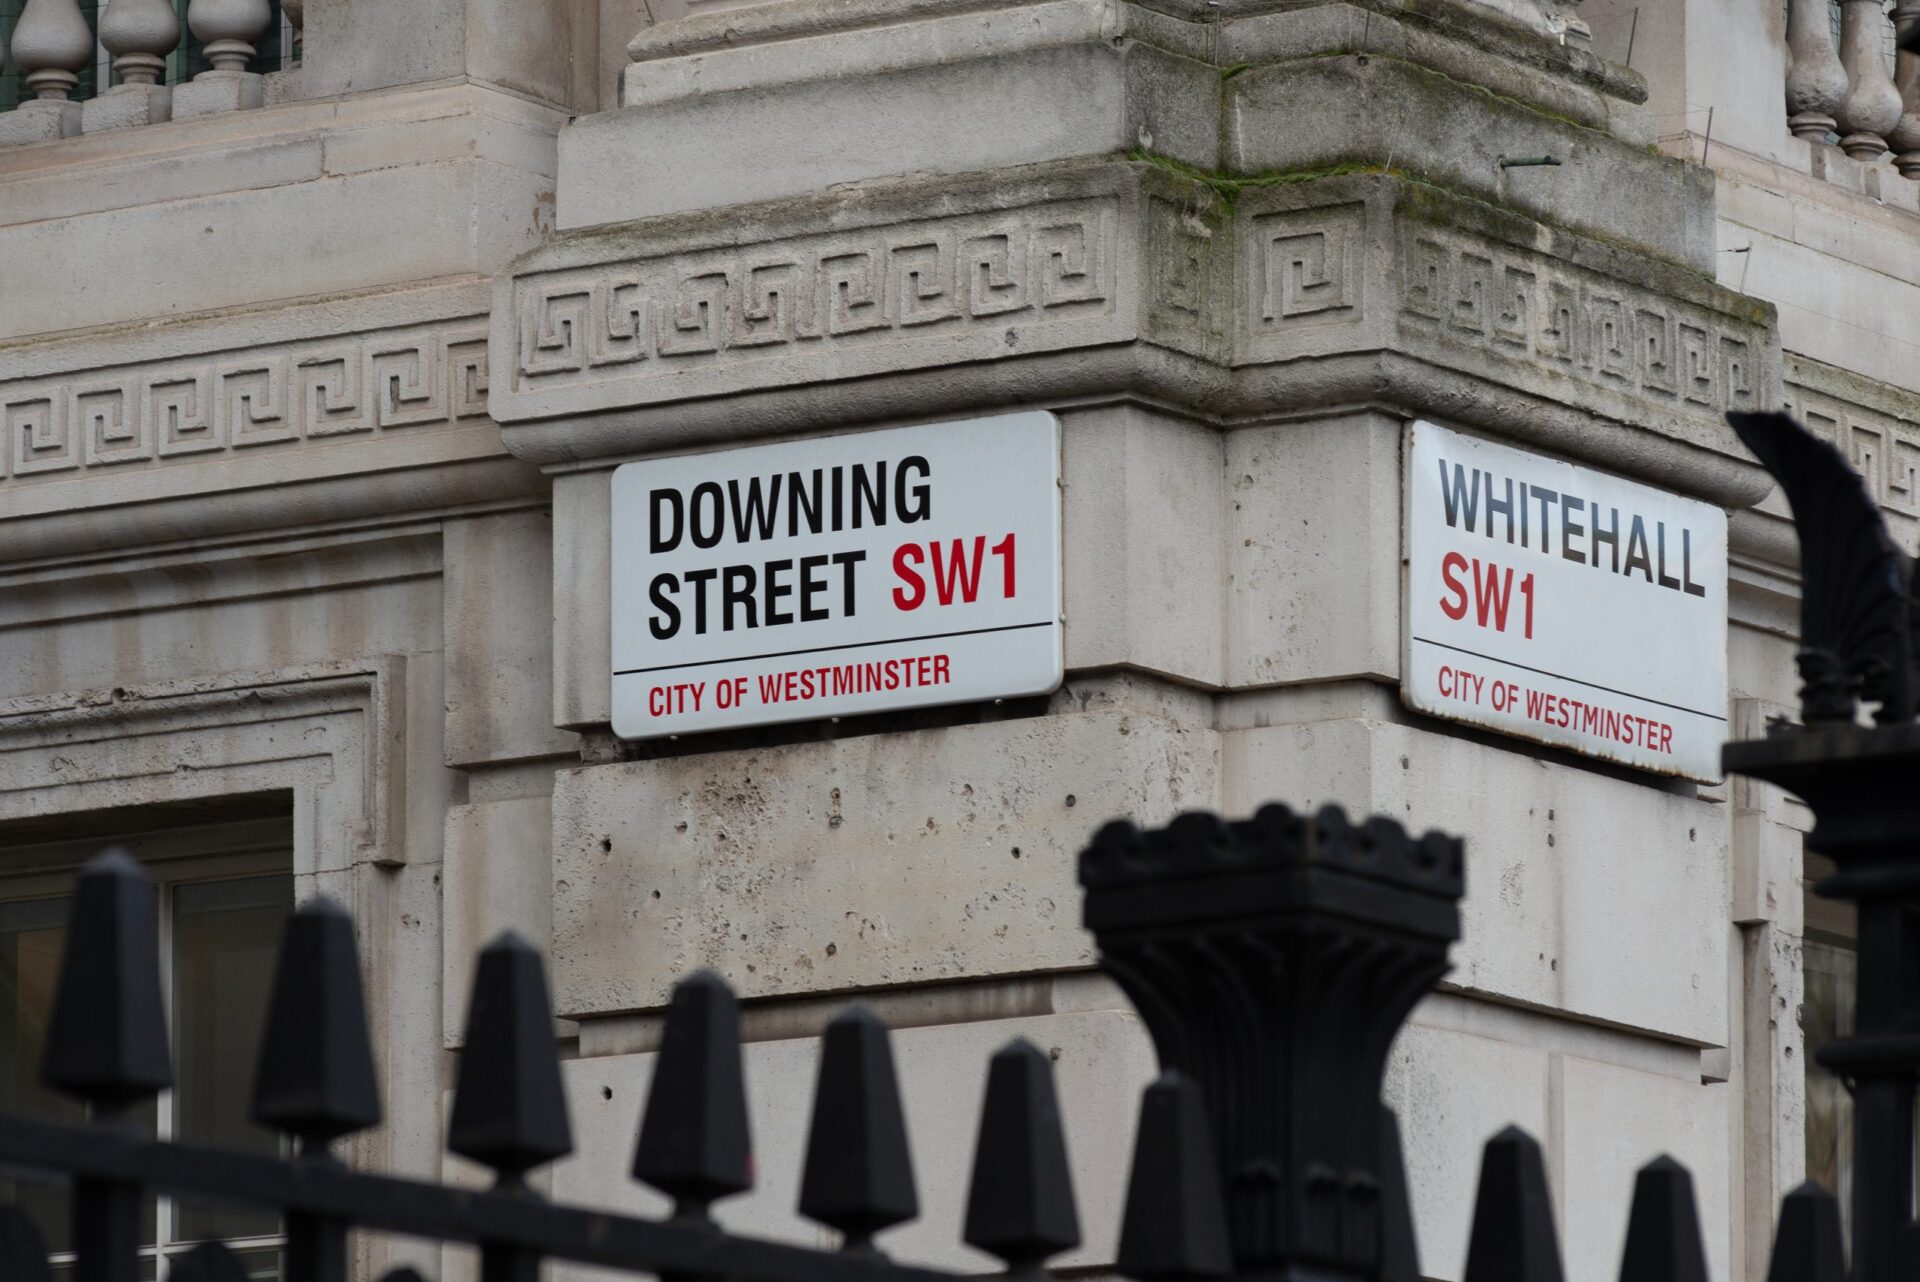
x: 1313, y: 551
x: 797, y: 137
x: 125, y: 106
x: 39, y: 120
x: 498, y: 592
x: 1454, y: 1091
x: 1298, y: 117
x: 1586, y: 893
x: 1102, y: 1060
x: 1144, y: 533
x: 856, y: 863
x: 583, y: 624
x: 1614, y: 1120
x: 444, y: 213
x: 497, y: 875
x: 211, y: 92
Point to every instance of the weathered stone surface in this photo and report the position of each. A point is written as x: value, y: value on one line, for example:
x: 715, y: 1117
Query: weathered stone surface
x: 856, y: 863
x: 1313, y: 551
x: 216, y: 91
x: 1145, y: 525
x: 497, y: 875
x: 498, y: 702
x: 126, y: 106
x: 1587, y: 894
x: 461, y: 202
x: 1616, y: 1120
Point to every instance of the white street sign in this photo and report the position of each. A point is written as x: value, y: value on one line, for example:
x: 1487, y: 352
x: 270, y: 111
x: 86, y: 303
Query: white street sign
x: 1564, y: 605
x: 867, y: 572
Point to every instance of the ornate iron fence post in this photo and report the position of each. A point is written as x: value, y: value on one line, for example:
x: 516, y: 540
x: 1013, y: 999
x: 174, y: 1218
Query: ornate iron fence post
x: 1273, y: 960
x: 1863, y: 785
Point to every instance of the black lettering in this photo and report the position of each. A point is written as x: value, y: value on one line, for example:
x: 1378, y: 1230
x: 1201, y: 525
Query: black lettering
x: 1568, y: 529
x: 1660, y: 543
x: 922, y: 493
x: 871, y: 491
x: 1637, y: 549
x: 848, y: 560
x: 1686, y: 564
x: 737, y: 589
x: 799, y: 499
x: 775, y: 615
x: 1609, y: 536
x: 667, y: 621
x: 709, y: 492
x: 758, y: 512
x: 1502, y: 506
x: 1458, y: 498
x: 698, y: 580
x: 671, y: 499
x: 811, y: 587
x: 1546, y: 498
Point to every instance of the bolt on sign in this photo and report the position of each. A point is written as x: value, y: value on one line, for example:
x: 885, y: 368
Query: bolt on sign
x: 1564, y: 605
x: 868, y: 572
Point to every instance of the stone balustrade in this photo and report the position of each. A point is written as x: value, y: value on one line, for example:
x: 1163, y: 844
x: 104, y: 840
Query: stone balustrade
x: 1851, y: 93
x: 53, y: 45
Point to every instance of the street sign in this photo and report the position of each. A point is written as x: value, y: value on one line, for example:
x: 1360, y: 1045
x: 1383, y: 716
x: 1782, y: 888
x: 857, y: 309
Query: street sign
x: 1564, y: 605
x: 867, y: 572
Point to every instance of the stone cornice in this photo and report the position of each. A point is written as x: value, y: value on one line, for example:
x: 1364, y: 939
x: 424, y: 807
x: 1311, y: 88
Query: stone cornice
x: 1130, y: 281
x: 333, y: 410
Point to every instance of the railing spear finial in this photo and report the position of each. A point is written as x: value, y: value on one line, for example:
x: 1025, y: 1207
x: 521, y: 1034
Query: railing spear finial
x: 859, y: 1173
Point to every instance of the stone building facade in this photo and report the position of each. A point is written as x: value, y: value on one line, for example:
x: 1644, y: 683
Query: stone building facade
x: 314, y: 370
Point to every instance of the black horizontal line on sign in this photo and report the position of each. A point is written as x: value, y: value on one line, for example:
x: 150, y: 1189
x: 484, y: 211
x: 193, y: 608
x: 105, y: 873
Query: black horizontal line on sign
x: 1561, y: 676
x: 825, y: 649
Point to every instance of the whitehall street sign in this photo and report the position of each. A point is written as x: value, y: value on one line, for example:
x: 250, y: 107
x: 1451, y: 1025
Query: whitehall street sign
x: 1564, y: 605
x: 860, y: 573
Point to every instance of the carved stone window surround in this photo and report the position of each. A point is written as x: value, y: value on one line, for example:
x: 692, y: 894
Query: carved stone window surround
x: 334, y: 735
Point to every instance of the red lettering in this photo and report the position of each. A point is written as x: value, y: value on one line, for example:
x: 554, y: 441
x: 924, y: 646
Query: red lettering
x: 916, y: 589
x: 1451, y: 567
x: 959, y: 571
x: 1493, y: 590
x: 1004, y: 550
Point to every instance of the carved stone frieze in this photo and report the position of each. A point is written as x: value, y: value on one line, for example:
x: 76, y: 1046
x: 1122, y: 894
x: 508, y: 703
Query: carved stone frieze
x: 1520, y: 305
x: 1873, y: 424
x: 239, y: 400
x: 1116, y: 277
x: 663, y: 326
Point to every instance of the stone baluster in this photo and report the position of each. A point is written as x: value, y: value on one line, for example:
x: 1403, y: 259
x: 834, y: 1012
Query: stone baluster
x: 52, y: 44
x: 228, y: 32
x: 1872, y: 106
x: 1905, y: 138
x: 139, y: 34
x: 1816, y: 82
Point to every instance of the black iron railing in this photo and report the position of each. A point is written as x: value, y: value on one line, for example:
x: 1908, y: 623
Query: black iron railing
x: 1272, y: 960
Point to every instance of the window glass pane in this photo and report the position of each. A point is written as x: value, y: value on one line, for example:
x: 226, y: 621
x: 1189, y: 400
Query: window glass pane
x: 32, y: 934
x: 226, y: 935
x: 1826, y: 1015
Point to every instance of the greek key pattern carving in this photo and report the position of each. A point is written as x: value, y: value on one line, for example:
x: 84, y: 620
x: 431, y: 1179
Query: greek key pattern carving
x: 1529, y: 307
x: 1306, y: 267
x: 232, y: 402
x: 1883, y: 441
x: 723, y: 308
